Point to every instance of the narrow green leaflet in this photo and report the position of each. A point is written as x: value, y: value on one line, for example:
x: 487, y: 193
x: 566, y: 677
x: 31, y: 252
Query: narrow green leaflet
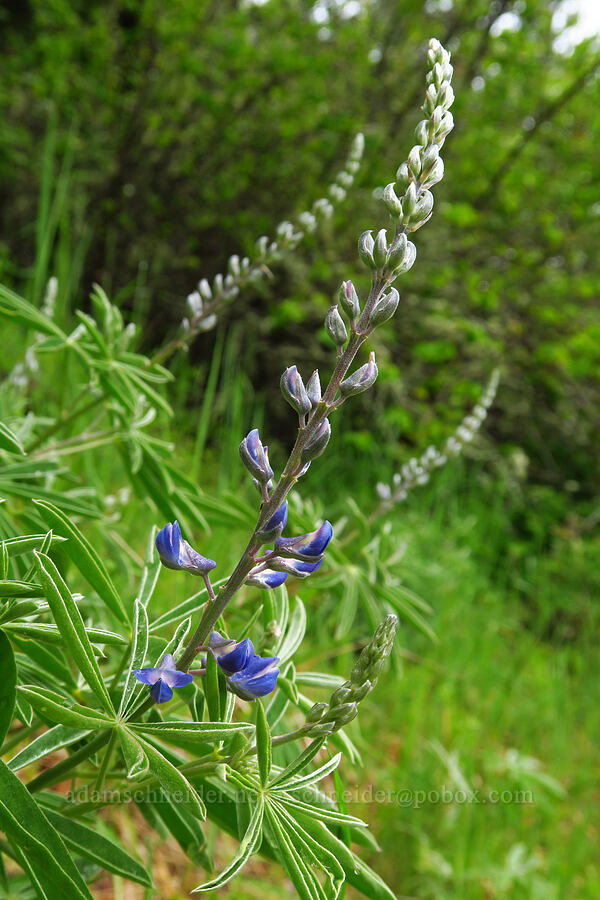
x: 51, y: 740
x: 295, y: 784
x: 8, y: 681
x: 190, y: 732
x: 101, y: 850
x: 300, y: 762
x: 20, y: 589
x: 185, y: 828
x: 69, y: 621
x: 9, y: 440
x: 172, y: 781
x: 134, y: 755
x: 188, y: 607
x: 84, y: 556
x: 295, y: 632
x: 152, y: 566
x: 38, y: 844
x: 325, y: 815
x: 42, y: 631
x: 52, y: 706
x: 263, y: 744
x: 139, y: 648
x: 249, y: 843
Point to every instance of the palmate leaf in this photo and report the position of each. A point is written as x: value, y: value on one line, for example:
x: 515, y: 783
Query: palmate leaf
x: 249, y: 843
x: 38, y: 847
x: 86, y: 842
x: 70, y: 624
x: 301, y: 873
x: 185, y: 828
x: 136, y: 760
x: 299, y: 763
x: 8, y: 681
x: 84, y: 556
x: 263, y: 744
x: 187, y: 607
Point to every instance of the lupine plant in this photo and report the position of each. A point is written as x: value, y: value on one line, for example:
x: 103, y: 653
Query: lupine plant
x: 197, y: 712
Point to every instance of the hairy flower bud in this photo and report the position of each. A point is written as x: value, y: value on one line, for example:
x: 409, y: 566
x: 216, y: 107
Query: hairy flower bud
x: 414, y: 161
x: 403, y: 178
x: 409, y: 201
x: 365, y: 249
x: 360, y: 380
x: 254, y: 456
x: 292, y: 388
x: 385, y: 308
x: 335, y: 327
x: 348, y: 300
x: 313, y: 388
x: 317, y: 445
x: 380, y: 249
x: 423, y: 132
x: 407, y: 260
x: 392, y: 201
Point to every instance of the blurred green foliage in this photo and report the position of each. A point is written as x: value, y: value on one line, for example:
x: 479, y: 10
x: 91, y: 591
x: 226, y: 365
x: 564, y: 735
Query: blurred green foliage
x: 152, y: 140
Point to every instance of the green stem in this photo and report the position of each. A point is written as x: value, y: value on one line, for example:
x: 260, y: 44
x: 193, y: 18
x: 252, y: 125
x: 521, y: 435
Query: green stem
x: 106, y: 761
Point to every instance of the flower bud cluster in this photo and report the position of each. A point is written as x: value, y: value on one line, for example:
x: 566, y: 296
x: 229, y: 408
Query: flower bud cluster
x: 417, y: 470
x: 203, y: 303
x: 343, y: 703
x: 409, y: 200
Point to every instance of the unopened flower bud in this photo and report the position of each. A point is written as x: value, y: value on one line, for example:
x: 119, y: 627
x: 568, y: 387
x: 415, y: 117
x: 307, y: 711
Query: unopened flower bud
x: 275, y: 525
x: 292, y: 388
x: 385, y: 308
x: 317, y: 445
x: 365, y: 249
x: 335, y: 327
x: 409, y: 201
x: 348, y: 300
x: 313, y: 388
x: 407, y: 261
x: 380, y: 249
x: 414, y: 161
x: 316, y: 712
x: 361, y: 380
x: 422, y: 211
x: 403, y: 178
x: 392, y: 201
x: 423, y: 132
x: 254, y: 456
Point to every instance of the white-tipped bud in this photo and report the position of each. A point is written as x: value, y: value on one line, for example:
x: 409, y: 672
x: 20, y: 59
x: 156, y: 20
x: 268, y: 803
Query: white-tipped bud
x: 397, y: 251
x: 422, y: 211
x: 358, y: 146
x: 392, y: 202
x: 334, y: 325
x: 348, y: 300
x: 365, y: 249
x: 204, y: 289
x: 380, y: 249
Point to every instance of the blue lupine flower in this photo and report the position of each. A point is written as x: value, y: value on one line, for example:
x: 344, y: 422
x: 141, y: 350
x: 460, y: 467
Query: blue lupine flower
x: 255, y: 457
x: 294, y: 566
x: 265, y: 578
x: 257, y: 679
x: 275, y: 525
x: 305, y: 546
x: 230, y: 656
x: 175, y: 553
x: 163, y: 679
